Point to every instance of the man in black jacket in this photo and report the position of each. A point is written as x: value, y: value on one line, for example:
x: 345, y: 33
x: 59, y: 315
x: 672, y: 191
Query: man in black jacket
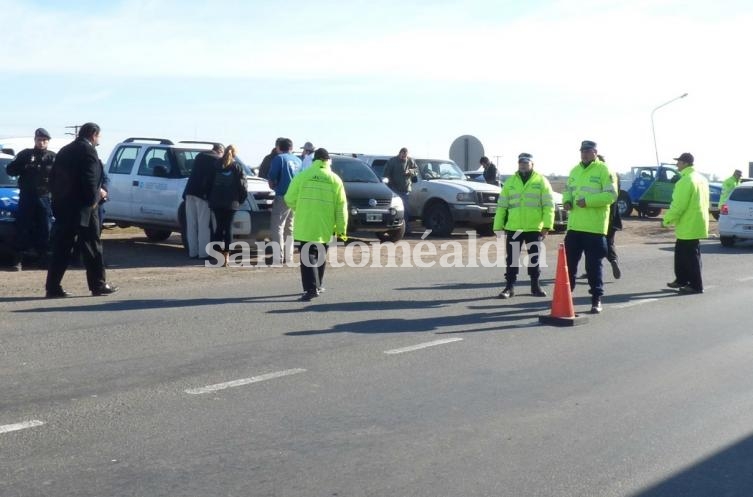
x: 34, y: 216
x: 75, y: 184
x: 198, y: 215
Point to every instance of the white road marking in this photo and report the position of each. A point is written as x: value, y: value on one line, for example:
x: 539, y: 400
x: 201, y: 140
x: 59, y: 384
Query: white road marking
x: 743, y: 280
x: 243, y: 381
x: 633, y: 303
x: 422, y: 346
x: 20, y: 426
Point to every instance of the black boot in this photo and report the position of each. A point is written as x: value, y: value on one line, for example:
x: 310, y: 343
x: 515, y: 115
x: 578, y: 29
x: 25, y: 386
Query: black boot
x: 536, y: 290
x: 508, y: 292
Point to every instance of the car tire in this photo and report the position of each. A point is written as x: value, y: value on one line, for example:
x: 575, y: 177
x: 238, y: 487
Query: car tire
x: 624, y: 204
x: 155, y: 235
x: 438, y: 219
x: 652, y: 212
x: 392, y: 235
x: 485, y: 230
x: 727, y: 241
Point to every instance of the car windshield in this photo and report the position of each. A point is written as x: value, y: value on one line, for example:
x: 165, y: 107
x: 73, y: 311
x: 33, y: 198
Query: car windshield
x: 6, y: 180
x: 353, y: 171
x: 439, y: 169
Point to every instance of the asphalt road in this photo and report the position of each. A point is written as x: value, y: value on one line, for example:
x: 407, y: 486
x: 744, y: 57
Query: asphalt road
x: 395, y: 382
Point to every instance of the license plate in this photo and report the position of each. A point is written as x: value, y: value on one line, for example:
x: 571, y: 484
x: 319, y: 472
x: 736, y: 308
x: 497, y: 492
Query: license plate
x: 373, y: 218
x: 748, y: 227
x: 492, y: 209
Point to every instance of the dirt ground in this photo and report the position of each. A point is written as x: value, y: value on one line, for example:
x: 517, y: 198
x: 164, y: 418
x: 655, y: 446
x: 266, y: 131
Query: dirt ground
x: 133, y: 261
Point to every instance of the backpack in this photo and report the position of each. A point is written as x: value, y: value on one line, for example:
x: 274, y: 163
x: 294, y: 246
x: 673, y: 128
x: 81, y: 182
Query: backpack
x: 225, y: 188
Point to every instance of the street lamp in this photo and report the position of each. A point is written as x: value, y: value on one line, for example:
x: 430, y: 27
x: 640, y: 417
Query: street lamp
x: 653, y: 131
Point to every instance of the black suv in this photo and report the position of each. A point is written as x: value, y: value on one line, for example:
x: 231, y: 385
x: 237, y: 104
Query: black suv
x: 372, y: 206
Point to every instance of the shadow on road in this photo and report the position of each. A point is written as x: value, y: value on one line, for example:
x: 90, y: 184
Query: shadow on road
x: 727, y: 473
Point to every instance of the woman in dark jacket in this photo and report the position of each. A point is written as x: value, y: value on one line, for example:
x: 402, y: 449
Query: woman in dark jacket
x: 228, y: 190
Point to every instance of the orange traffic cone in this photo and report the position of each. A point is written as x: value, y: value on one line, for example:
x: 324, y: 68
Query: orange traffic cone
x: 563, y: 313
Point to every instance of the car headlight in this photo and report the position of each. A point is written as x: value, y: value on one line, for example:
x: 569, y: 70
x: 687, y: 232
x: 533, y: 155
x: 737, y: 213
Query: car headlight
x: 6, y: 215
x: 467, y: 197
x: 397, y: 203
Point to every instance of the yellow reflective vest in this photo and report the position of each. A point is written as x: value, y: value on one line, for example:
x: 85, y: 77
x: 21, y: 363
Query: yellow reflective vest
x: 317, y: 197
x: 727, y: 187
x: 597, y: 185
x: 525, y: 206
x: 689, y: 210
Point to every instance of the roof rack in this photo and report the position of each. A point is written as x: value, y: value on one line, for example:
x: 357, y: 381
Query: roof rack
x: 162, y: 141
x: 194, y: 142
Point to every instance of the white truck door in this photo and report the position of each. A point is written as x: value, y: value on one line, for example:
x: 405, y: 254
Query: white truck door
x: 120, y: 188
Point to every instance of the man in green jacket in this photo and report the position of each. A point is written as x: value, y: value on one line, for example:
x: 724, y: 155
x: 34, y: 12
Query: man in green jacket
x: 689, y: 213
x: 590, y: 190
x: 729, y: 185
x: 317, y: 197
x: 525, y: 211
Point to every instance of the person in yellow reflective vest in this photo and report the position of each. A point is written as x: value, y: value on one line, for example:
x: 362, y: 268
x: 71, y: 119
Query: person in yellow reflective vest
x: 590, y: 190
x: 525, y: 211
x: 689, y: 213
x: 729, y: 185
x: 317, y: 196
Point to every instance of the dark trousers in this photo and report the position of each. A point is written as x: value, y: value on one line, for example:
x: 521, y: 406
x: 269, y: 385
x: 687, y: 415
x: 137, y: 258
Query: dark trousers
x: 223, y: 231
x: 514, y: 248
x: 33, y: 222
x: 611, y: 252
x: 313, y: 261
x: 65, y: 234
x: 594, y: 246
x: 688, y: 263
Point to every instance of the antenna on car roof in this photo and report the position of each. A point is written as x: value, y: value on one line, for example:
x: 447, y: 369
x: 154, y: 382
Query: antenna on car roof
x: 162, y: 141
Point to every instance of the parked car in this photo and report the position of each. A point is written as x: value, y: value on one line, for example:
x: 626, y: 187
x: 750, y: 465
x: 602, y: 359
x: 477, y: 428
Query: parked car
x: 736, y: 216
x: 443, y: 198
x: 147, y: 179
x: 8, y: 207
x: 372, y: 206
x: 649, y: 190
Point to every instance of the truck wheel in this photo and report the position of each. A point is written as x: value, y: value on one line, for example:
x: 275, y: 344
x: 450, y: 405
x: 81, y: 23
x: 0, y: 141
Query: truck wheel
x: 624, y: 204
x: 392, y: 235
x: 154, y: 235
x: 727, y: 241
x: 438, y: 219
x: 653, y: 212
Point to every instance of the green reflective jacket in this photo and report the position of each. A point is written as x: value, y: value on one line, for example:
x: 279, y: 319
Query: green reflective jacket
x: 525, y: 206
x: 597, y: 185
x: 727, y: 187
x: 317, y: 197
x: 689, y: 210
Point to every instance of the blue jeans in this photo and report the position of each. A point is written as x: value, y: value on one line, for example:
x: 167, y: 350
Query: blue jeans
x: 33, y: 222
x: 594, y: 246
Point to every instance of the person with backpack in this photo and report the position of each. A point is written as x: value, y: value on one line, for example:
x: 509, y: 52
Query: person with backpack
x: 228, y: 191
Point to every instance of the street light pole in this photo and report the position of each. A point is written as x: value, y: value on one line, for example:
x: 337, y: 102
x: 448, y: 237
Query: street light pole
x: 653, y: 130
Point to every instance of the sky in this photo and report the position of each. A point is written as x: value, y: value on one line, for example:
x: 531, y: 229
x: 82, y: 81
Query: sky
x: 535, y: 76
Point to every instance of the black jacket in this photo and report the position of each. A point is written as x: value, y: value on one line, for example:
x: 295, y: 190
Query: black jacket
x: 200, y: 180
x: 75, y: 180
x: 32, y: 166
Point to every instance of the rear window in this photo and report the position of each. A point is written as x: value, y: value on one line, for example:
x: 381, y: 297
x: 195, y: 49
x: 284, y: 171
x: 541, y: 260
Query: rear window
x: 742, y: 194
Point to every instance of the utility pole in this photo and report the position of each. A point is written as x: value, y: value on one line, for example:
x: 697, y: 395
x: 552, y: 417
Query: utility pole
x: 75, y: 129
x: 496, y: 160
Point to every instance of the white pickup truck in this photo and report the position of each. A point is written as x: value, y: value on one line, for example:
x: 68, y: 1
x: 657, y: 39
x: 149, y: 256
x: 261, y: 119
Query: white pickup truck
x: 147, y: 178
x: 443, y: 198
